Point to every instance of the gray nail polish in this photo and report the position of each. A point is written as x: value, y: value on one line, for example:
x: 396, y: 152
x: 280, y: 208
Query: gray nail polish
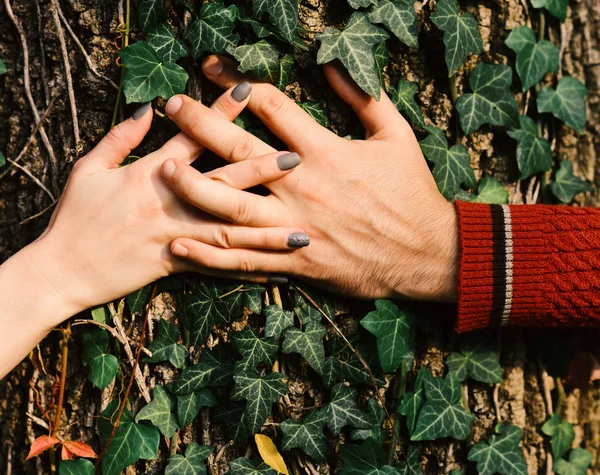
x: 141, y: 111
x: 241, y: 91
x: 298, y: 240
x: 278, y: 279
x: 288, y: 161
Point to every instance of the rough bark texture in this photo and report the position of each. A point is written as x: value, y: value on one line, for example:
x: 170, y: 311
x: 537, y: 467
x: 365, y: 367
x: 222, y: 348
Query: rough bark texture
x: 526, y: 396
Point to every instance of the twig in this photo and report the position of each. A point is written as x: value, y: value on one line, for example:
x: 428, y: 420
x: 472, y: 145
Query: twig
x: 38, y: 420
x: 45, y: 81
x: 131, y: 378
x: 68, y: 76
x: 497, y: 402
x: 61, y: 391
x: 124, y: 44
x: 32, y: 176
x: 40, y: 213
x: 108, y: 328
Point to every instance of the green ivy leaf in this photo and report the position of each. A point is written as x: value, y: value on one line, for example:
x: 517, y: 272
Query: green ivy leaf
x: 477, y: 359
x: 147, y: 77
x: 193, y: 463
x: 395, y: 333
x: 254, y: 350
x: 442, y: 415
x: 403, y: 98
x: 376, y: 415
x: 491, y: 101
x: 534, y: 59
x: 211, y: 371
x: 451, y: 167
x: 168, y: 48
x: 461, y: 33
x: 261, y: 58
x: 241, y: 466
x: 566, y: 103
x: 356, y: 4
x: 103, y: 366
x: 501, y: 453
x: 151, y: 13
x: 262, y: 30
x: 307, y: 311
x: 260, y: 393
x: 412, y: 465
x: 533, y: 152
x: 212, y: 32
x: 365, y: 459
x: 354, y: 48
x: 489, y: 191
x: 139, y: 299
x: 282, y: 13
x: 286, y: 65
x: 342, y: 410
x: 412, y: 401
x: 399, y: 17
x: 557, y: 8
x: 348, y: 368
x: 165, y: 347
x: 562, y: 435
x: 76, y: 467
x: 579, y: 461
x: 3, y: 69
x: 307, y: 343
x: 306, y: 435
x: 566, y: 185
x: 160, y: 412
x: 317, y: 111
x: 381, y: 55
x: 277, y: 320
x: 189, y: 405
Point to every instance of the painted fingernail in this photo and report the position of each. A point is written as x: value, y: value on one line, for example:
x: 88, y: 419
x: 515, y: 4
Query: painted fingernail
x: 278, y: 280
x: 173, y: 105
x: 168, y: 169
x: 288, y: 161
x: 180, y: 250
x: 241, y: 91
x: 141, y: 111
x: 213, y: 66
x: 298, y: 240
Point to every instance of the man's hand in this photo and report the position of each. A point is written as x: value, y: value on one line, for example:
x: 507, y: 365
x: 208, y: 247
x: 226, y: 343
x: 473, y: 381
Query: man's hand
x: 378, y: 226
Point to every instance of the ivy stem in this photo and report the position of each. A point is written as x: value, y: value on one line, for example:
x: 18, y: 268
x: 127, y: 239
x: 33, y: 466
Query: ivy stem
x: 124, y: 44
x: 454, y: 97
x: 400, y: 389
x: 561, y: 395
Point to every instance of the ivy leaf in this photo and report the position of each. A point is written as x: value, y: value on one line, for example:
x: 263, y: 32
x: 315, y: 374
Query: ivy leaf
x: 285, y: 68
x: 212, y: 32
x: 254, y: 350
x: 566, y: 185
x: 356, y: 4
x: 477, y: 360
x: 557, y: 8
x: 562, y: 435
x: 277, y: 320
x: 317, y: 111
x: 76, y: 467
x: 306, y: 435
x: 211, y: 371
x: 451, y: 167
x: 347, y: 368
x: 307, y: 311
x: 342, y: 410
x: 165, y: 347
x: 168, y: 48
x: 579, y: 461
x: 491, y: 101
x: 354, y: 48
x: 139, y: 299
x: 376, y: 415
x: 147, y: 77
x: 489, y: 191
x: 413, y: 401
x: 381, y: 55
x: 189, y: 405
x: 442, y: 415
x: 533, y: 152
x: 566, y: 103
x: 151, y: 13
x: 262, y: 30
x: 365, y: 459
x: 282, y: 13
x: 3, y: 69
x: 501, y: 453
x: 412, y: 465
x: 241, y: 466
x: 261, y: 58
x: 534, y: 59
x: 399, y: 17
x: 194, y: 462
x: 260, y: 393
x: 103, y: 366
x: 160, y: 412
x: 395, y: 333
x: 308, y: 343
x: 461, y: 33
x: 403, y: 98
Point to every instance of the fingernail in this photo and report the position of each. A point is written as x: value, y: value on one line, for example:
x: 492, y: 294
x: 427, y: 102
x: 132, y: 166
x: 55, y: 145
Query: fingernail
x: 180, y: 250
x: 288, y: 161
x: 241, y: 91
x: 141, y: 111
x: 168, y: 169
x: 173, y: 105
x: 213, y: 66
x: 298, y: 240
x: 277, y: 279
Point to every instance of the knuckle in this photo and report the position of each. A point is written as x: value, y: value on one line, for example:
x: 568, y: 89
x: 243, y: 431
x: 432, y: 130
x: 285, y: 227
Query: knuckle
x: 116, y: 134
x: 258, y: 170
x: 272, y: 104
x: 221, y: 176
x: 222, y: 238
x: 240, y: 212
x: 246, y: 264
x: 242, y: 150
x: 193, y: 127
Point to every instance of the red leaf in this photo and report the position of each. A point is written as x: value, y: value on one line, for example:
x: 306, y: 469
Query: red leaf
x: 65, y: 454
x: 40, y: 444
x: 80, y: 448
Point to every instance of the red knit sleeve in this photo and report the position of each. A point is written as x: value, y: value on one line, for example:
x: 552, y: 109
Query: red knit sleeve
x: 527, y: 265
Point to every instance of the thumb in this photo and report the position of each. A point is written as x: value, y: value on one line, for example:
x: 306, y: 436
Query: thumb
x: 120, y: 141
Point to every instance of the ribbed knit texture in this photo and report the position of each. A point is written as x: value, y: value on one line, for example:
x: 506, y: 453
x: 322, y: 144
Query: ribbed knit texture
x: 554, y: 278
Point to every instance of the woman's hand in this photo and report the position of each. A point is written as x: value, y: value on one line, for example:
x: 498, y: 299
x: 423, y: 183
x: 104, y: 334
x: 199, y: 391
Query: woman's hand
x: 378, y: 225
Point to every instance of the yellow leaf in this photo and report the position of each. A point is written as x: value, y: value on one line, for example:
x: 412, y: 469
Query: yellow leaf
x: 269, y: 453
